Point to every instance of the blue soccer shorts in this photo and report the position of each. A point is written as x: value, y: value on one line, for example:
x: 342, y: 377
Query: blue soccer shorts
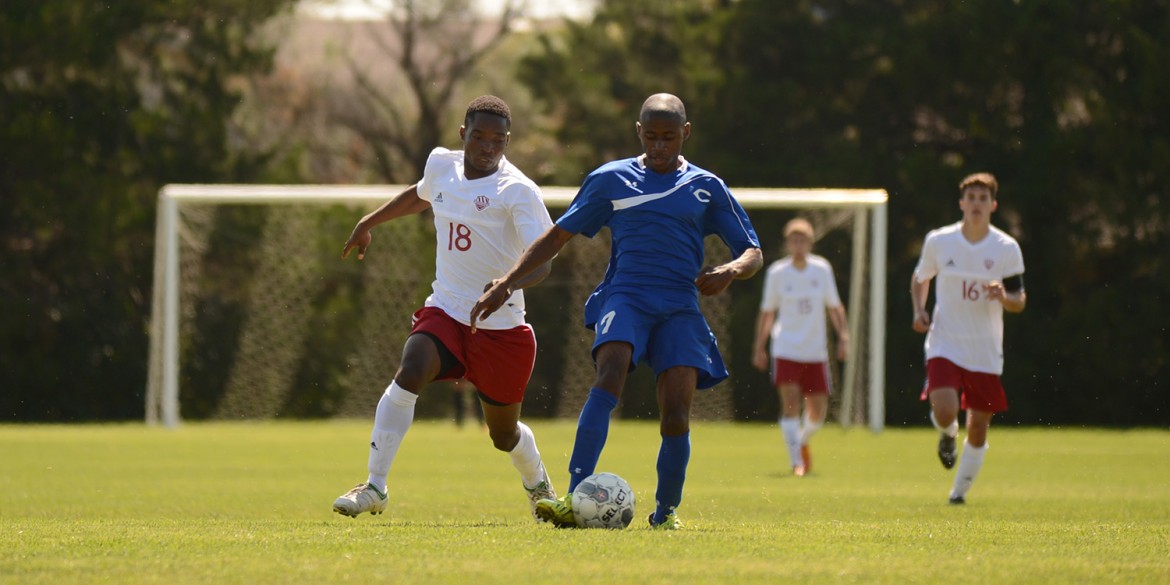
x: 663, y: 335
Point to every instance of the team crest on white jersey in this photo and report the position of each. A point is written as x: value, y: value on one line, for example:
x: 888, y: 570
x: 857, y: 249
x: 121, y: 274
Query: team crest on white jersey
x: 988, y: 263
x: 482, y: 202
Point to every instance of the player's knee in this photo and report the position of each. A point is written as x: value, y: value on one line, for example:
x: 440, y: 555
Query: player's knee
x: 977, y: 426
x: 977, y: 436
x: 675, y: 422
x: 415, y: 373
x: 411, y: 378
x: 613, y: 364
x: 610, y: 378
x: 945, y: 414
x: 504, y: 439
x: 790, y: 402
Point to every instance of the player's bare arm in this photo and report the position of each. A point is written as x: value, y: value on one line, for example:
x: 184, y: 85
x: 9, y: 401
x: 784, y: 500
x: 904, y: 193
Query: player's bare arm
x: 841, y: 325
x: 764, y: 322
x: 918, y: 294
x: 1012, y: 301
x: 715, y: 279
x: 532, y: 278
x: 405, y: 203
x: 540, y: 253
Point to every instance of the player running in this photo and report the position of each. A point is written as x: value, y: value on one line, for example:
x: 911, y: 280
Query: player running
x: 658, y: 207
x: 486, y: 213
x: 980, y: 272
x: 799, y: 287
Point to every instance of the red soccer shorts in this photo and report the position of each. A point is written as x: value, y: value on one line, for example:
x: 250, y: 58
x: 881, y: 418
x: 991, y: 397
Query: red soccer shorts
x: 497, y: 361
x: 977, y: 390
x: 812, y: 377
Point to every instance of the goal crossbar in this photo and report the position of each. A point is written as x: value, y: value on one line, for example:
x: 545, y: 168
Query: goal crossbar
x: 162, y: 396
x: 749, y: 197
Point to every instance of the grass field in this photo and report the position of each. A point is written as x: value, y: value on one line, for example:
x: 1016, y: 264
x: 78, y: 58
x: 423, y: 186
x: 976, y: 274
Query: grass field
x: 251, y: 503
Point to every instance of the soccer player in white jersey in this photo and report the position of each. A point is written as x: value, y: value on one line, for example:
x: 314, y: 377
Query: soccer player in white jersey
x: 658, y: 207
x: 486, y: 212
x: 980, y: 274
x: 798, y: 290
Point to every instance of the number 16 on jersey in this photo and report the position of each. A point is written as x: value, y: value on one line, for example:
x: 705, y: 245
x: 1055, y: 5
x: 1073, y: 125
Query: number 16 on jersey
x: 971, y: 290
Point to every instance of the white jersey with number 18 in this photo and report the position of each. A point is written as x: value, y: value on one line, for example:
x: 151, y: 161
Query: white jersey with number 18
x: 967, y: 327
x: 482, y: 226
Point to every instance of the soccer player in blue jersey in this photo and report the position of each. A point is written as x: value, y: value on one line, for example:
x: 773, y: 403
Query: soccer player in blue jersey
x: 658, y: 207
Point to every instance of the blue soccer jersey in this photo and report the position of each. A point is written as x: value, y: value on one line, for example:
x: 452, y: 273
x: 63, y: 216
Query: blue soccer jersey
x: 648, y: 297
x: 657, y: 223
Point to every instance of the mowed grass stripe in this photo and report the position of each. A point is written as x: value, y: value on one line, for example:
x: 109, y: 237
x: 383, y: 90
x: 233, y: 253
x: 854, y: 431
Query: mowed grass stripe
x: 250, y: 503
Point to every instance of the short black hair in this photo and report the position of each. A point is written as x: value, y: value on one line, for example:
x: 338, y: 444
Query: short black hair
x: 489, y: 104
x: 663, y: 105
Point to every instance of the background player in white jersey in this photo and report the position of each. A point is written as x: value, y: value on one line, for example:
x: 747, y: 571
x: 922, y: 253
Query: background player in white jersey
x: 486, y: 212
x: 980, y: 274
x: 798, y: 290
x: 658, y: 207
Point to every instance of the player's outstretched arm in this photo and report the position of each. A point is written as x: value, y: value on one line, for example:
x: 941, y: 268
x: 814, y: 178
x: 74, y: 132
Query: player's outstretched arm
x: 526, y: 272
x: 405, y: 203
x: 533, y: 278
x: 715, y: 279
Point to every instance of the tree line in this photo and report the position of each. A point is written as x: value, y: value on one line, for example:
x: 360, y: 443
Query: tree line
x: 1064, y: 102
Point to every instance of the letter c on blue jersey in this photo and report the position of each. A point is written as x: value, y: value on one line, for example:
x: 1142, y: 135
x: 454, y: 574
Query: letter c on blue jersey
x: 700, y: 193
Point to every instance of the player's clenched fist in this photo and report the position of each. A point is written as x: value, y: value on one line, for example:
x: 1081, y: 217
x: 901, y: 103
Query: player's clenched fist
x: 921, y: 321
x: 994, y: 290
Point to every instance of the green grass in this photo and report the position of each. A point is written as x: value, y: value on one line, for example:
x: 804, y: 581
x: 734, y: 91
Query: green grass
x: 250, y: 503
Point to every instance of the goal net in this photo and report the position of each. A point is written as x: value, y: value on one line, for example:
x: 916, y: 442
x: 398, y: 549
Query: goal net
x: 256, y: 316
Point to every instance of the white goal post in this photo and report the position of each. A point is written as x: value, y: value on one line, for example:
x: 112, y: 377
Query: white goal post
x: 868, y: 265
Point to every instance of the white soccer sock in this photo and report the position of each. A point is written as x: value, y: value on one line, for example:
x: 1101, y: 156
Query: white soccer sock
x: 790, y: 429
x: 391, y: 421
x: 952, y: 429
x: 970, y: 462
x: 526, y: 458
x: 808, y: 428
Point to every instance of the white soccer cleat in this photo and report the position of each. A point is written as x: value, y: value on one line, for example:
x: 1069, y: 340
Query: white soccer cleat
x: 543, y: 491
x: 362, y: 498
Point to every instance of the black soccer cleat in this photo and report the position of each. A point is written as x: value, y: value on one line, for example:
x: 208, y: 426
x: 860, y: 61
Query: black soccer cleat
x: 948, y: 453
x: 957, y: 500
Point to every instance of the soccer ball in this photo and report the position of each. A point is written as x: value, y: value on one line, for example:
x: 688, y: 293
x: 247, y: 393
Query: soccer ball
x: 603, y: 500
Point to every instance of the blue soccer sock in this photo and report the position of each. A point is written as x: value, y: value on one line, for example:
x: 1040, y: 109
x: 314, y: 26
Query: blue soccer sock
x: 673, y: 457
x: 592, y: 429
